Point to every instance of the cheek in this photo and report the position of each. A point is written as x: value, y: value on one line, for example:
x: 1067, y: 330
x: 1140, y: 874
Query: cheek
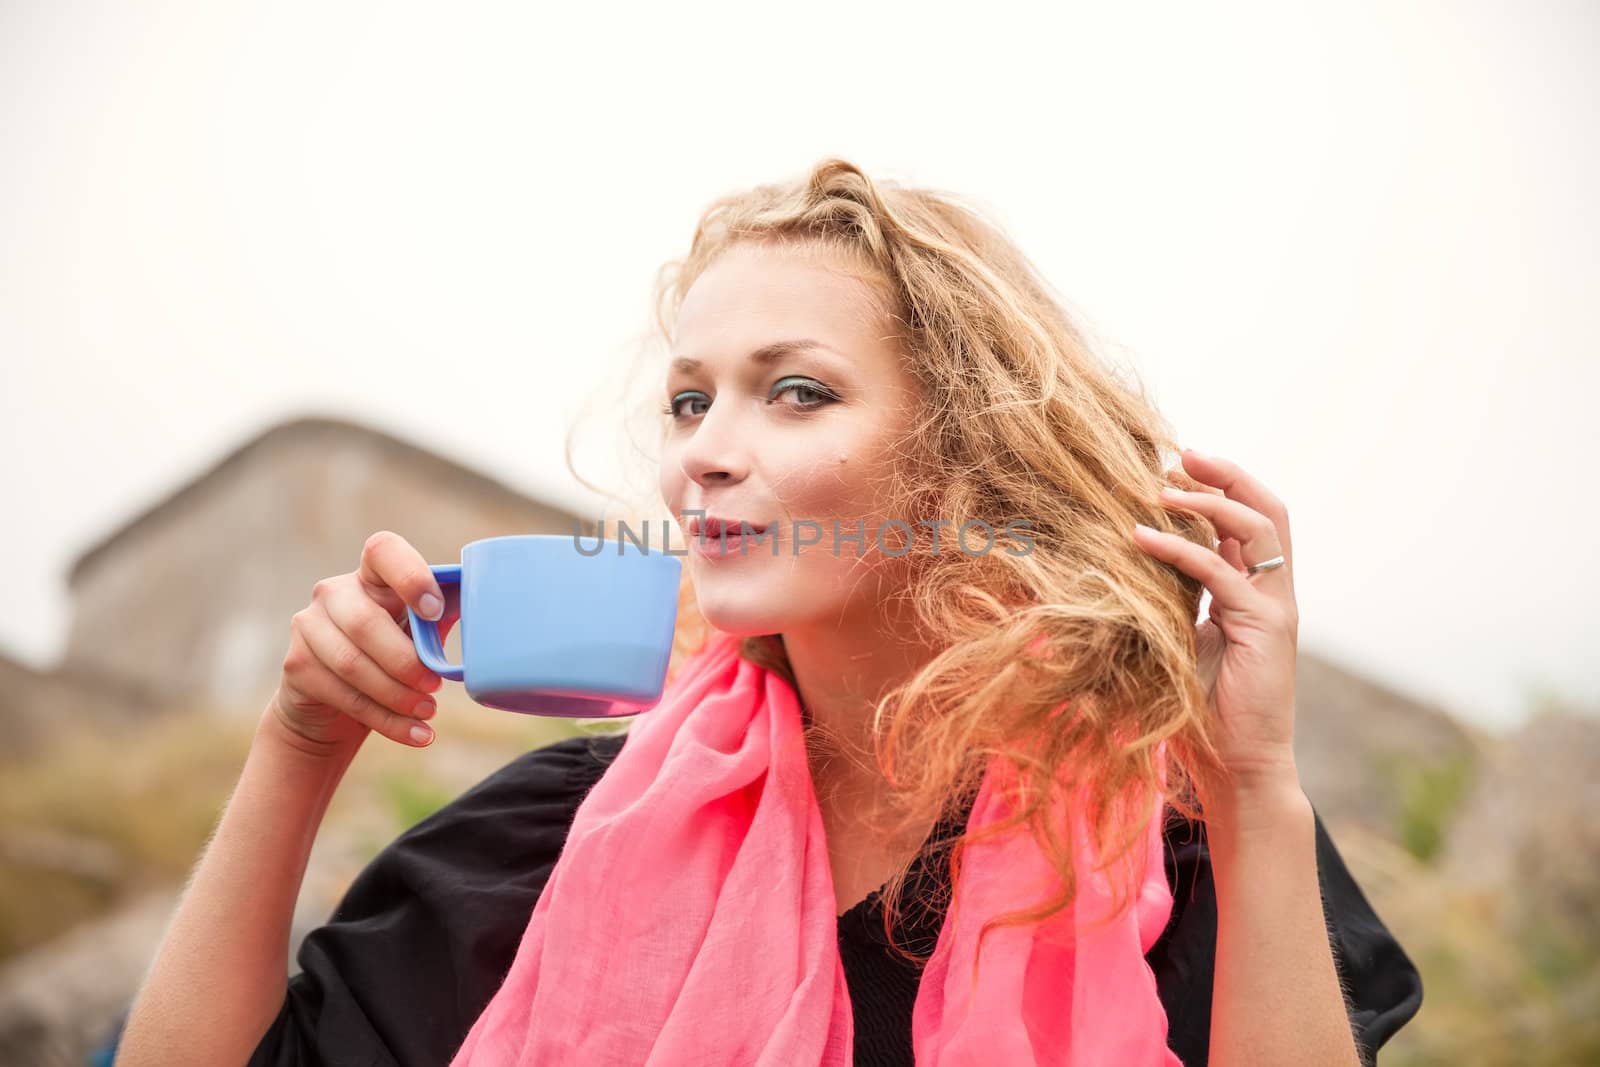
x: 836, y: 466
x: 851, y: 480
x: 823, y: 483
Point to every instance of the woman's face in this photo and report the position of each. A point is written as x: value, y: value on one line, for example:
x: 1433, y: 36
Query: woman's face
x: 786, y: 387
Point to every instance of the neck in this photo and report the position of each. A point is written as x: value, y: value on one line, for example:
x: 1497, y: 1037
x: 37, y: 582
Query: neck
x: 841, y: 670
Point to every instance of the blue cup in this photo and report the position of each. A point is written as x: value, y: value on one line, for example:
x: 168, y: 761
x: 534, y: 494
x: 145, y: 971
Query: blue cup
x: 552, y: 626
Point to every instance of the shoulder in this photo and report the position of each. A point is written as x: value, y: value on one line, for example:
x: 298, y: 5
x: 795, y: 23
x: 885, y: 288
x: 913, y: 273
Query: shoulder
x: 513, y: 823
x: 556, y: 774
x: 446, y: 901
x: 573, y: 763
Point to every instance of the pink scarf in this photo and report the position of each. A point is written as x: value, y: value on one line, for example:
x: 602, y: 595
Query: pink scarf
x: 690, y: 918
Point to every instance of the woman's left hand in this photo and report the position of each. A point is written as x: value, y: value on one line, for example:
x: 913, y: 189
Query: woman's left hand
x: 1247, y: 644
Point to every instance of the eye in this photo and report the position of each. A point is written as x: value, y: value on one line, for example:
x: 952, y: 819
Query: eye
x: 692, y: 395
x: 805, y: 386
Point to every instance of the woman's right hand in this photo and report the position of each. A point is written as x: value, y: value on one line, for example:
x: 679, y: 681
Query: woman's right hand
x: 351, y: 666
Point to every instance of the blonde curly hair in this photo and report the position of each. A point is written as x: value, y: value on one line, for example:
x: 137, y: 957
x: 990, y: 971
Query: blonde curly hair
x: 1073, y: 662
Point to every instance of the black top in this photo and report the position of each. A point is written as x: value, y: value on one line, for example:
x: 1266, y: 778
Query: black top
x: 427, y: 931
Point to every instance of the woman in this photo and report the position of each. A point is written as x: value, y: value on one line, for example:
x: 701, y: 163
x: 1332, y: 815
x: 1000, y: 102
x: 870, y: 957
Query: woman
x: 999, y: 634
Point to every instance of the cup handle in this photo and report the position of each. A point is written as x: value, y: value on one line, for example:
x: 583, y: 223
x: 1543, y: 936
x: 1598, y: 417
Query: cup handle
x: 425, y: 632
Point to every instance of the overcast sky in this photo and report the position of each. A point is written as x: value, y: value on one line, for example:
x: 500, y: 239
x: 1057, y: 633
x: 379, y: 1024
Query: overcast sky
x: 1353, y: 248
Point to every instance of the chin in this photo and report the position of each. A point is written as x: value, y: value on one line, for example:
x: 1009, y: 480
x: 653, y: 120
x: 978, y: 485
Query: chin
x: 752, y: 604
x: 741, y: 618
x: 749, y: 601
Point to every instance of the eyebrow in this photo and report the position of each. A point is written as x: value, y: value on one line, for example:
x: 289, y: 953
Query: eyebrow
x: 765, y: 354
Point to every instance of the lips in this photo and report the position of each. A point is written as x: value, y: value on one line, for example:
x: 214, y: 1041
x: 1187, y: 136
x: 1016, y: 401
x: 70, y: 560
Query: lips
x: 713, y: 526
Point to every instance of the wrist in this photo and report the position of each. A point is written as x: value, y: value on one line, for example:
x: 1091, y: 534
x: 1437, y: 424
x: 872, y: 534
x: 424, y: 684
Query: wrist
x: 1266, y: 801
x: 280, y: 737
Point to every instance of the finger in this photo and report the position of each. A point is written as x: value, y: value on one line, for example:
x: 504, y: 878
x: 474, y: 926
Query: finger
x: 376, y: 633
x: 1229, y: 589
x: 446, y: 623
x: 452, y: 611
x: 1229, y: 548
x: 397, y: 576
x: 340, y: 656
x: 1239, y: 485
x: 1254, y: 534
x: 319, y: 685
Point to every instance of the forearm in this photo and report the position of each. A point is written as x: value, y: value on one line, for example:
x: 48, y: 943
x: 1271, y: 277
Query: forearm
x: 219, y: 976
x: 1276, y: 996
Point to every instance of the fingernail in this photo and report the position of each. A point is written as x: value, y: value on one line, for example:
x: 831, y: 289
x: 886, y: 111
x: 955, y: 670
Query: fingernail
x: 424, y: 708
x: 421, y: 734
x: 432, y: 607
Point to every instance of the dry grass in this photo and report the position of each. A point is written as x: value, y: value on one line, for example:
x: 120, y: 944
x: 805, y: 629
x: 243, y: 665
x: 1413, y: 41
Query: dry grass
x: 1493, y: 994
x: 95, y: 818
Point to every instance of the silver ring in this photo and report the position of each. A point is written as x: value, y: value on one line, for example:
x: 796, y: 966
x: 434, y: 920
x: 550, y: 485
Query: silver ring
x: 1266, y: 565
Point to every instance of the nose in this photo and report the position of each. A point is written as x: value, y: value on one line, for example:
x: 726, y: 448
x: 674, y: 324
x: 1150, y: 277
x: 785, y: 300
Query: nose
x: 717, y: 450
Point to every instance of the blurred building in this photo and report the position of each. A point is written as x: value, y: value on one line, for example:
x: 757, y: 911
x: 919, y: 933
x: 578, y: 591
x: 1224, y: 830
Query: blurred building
x: 191, y: 599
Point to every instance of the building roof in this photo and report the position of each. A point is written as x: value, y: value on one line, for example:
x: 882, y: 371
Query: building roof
x: 323, y: 428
